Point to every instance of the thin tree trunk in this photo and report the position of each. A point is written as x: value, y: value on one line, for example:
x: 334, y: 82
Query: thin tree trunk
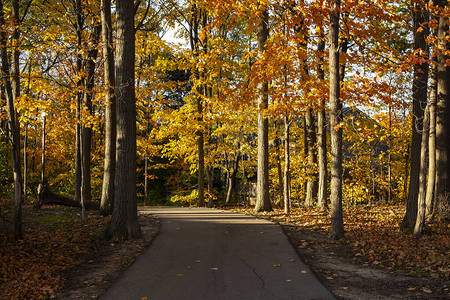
x: 419, y: 102
x: 262, y: 195
x: 109, y: 173
x: 429, y: 201
x: 421, y: 207
x: 312, y: 185
x: 79, y: 95
x: 337, y: 223
x: 25, y: 161
x: 232, y: 177
x: 210, y: 178
x: 124, y: 221
x: 280, y: 172
x: 14, y: 130
x: 287, y: 162
x: 44, y: 119
x: 321, y: 131
x: 86, y: 130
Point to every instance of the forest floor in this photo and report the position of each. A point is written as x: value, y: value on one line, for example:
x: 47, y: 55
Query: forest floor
x: 61, y: 256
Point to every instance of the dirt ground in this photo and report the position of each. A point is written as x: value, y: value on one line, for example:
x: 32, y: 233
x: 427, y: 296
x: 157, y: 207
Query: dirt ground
x: 353, y: 279
x: 104, y: 263
x: 346, y: 278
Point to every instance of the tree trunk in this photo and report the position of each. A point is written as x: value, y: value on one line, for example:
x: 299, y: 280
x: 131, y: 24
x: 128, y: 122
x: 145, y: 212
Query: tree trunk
x: 86, y: 130
x: 429, y: 202
x: 48, y: 197
x: 79, y: 95
x: 337, y: 223
x: 443, y: 113
x: 124, y: 221
x: 14, y: 130
x: 312, y: 185
x: 421, y: 207
x: 287, y: 162
x: 322, y: 132
x: 210, y: 178
x: 262, y: 195
x: 419, y: 102
x: 232, y: 177
x: 44, y: 119
x: 25, y: 163
x: 109, y: 173
x: 280, y: 172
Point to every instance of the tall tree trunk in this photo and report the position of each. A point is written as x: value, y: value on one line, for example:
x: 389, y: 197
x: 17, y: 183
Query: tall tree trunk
x: 262, y: 189
x: 429, y: 201
x: 419, y: 102
x: 44, y: 119
x: 287, y: 163
x: 124, y: 221
x: 321, y: 131
x: 337, y: 223
x: 14, y: 130
x: 25, y: 163
x: 312, y: 185
x: 86, y: 130
x: 443, y: 112
x: 421, y: 208
x: 79, y: 95
x: 194, y: 38
x: 109, y: 173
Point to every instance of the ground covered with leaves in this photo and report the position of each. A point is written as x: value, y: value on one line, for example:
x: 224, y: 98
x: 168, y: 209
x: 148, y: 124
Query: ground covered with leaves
x: 61, y: 256
x: 375, y: 260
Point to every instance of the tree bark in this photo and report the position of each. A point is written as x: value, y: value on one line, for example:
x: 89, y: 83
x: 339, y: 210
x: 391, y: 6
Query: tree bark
x: 443, y: 112
x: 48, y: 197
x: 86, y: 129
x: 321, y: 131
x: 262, y: 195
x: 287, y: 163
x: 419, y: 102
x: 280, y: 172
x: 232, y: 177
x: 421, y: 207
x: 124, y: 221
x: 210, y: 178
x: 337, y: 223
x: 429, y: 201
x: 79, y: 95
x: 14, y: 129
x: 312, y: 184
x: 109, y: 173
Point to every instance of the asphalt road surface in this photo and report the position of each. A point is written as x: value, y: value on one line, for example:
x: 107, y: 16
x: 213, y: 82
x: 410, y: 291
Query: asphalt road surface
x: 212, y: 254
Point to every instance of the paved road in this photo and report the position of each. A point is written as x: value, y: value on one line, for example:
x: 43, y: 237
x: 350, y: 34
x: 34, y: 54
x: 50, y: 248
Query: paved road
x: 207, y: 254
